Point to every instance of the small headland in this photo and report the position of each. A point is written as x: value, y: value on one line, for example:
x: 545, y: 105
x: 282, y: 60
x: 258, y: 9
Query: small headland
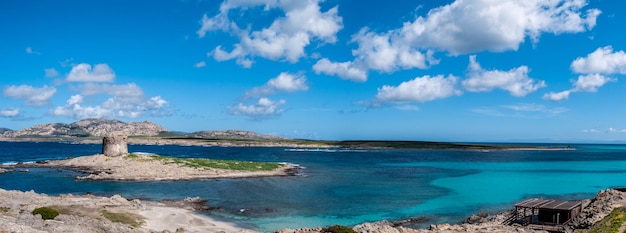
x: 134, y: 167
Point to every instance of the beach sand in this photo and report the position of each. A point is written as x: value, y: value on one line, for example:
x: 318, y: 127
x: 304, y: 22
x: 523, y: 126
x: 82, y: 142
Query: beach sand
x: 171, y: 219
x: 85, y: 213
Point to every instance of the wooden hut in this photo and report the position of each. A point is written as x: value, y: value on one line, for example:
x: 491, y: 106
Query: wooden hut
x: 544, y: 214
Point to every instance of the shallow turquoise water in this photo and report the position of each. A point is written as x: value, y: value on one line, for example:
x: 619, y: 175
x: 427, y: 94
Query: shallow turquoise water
x: 350, y: 187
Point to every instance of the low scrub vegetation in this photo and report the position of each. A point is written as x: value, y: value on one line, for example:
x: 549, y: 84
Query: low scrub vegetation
x: 46, y: 213
x: 213, y: 163
x: 338, y: 229
x: 610, y: 223
x: 124, y: 218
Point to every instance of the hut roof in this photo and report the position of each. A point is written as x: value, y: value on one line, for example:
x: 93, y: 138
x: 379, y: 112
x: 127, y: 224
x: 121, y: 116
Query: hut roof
x: 548, y: 204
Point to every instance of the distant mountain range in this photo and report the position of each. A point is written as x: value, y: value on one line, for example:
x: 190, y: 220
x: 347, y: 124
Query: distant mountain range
x: 103, y: 127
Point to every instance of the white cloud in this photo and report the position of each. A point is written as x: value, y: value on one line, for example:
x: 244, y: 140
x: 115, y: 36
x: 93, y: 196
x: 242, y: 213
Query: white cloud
x: 406, y: 107
x: 468, y: 26
x: 421, y: 89
x: 602, y: 60
x: 609, y: 130
x: 200, y: 64
x: 111, y: 108
x: 288, y: 82
x: 389, y: 52
x: 522, y: 110
x: 584, y: 83
x: 524, y: 107
x: 83, y: 73
x: 9, y: 112
x: 238, y: 53
x: 284, y: 39
x: 284, y: 82
x: 462, y: 27
x: 591, y: 82
x: 51, y: 73
x: 74, y: 109
x: 345, y: 70
x: 126, y: 101
x: 127, y: 90
x: 557, y: 96
x: 591, y: 131
x: 36, y: 97
x: 264, y: 108
x: 30, y: 50
x: 515, y: 81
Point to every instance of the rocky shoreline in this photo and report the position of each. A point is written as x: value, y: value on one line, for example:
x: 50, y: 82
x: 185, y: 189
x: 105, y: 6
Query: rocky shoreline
x: 145, y: 168
x: 88, y: 213
x: 594, y: 210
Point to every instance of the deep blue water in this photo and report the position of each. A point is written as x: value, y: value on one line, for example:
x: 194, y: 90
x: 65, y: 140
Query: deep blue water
x: 348, y: 186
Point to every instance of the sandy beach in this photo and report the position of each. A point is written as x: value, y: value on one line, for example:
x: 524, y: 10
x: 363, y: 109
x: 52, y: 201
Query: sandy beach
x: 170, y: 218
x: 87, y: 213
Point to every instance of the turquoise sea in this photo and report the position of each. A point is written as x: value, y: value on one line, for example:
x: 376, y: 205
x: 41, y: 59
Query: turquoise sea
x: 348, y: 186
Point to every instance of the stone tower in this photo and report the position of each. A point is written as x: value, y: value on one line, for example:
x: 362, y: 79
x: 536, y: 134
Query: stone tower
x: 114, y: 146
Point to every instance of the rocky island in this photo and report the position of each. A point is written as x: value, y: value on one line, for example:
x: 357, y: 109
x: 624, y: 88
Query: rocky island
x: 115, y: 163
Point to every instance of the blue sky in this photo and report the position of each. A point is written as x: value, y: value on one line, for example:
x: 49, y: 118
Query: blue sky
x: 464, y: 70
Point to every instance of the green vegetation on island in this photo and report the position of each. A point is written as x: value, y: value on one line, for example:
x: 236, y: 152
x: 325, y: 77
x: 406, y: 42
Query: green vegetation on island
x: 212, y: 163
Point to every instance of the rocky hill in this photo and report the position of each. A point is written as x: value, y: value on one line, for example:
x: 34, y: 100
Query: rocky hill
x: 102, y: 127
x: 88, y: 127
x: 4, y: 130
x: 233, y: 135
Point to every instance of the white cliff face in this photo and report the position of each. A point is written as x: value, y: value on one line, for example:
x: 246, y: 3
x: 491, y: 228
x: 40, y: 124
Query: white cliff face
x: 89, y: 127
